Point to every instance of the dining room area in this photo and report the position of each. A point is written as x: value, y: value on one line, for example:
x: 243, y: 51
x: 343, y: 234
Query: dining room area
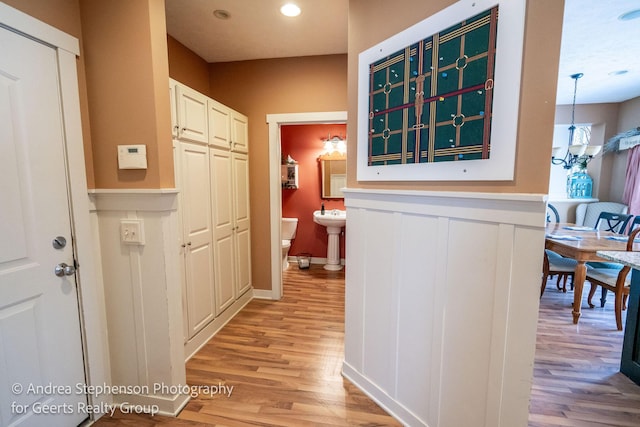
x: 587, y: 364
x: 576, y: 377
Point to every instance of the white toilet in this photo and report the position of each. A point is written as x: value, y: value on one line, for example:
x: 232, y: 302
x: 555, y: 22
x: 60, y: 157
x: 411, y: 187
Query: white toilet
x: 288, y: 233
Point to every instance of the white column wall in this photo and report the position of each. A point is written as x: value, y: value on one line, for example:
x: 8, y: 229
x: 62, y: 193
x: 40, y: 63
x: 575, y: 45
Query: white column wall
x: 442, y: 303
x: 143, y: 296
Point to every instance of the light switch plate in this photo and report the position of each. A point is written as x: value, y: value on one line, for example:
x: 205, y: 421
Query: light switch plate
x: 132, y: 231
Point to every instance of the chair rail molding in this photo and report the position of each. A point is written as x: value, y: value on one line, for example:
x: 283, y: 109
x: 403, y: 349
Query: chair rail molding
x: 442, y: 295
x: 134, y: 199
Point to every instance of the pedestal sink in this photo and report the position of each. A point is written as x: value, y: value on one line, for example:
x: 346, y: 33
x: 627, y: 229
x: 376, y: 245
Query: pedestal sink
x: 333, y: 220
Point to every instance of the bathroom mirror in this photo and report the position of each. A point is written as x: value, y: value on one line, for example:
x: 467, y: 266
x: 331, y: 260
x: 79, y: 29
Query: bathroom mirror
x: 334, y: 176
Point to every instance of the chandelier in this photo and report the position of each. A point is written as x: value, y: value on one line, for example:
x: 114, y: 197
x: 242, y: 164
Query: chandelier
x: 577, y: 153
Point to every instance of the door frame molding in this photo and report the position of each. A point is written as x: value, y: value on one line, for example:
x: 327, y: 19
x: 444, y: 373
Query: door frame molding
x: 89, y: 275
x: 275, y: 121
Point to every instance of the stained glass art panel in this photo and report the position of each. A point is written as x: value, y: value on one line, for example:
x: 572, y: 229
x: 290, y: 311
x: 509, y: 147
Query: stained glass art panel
x: 439, y: 101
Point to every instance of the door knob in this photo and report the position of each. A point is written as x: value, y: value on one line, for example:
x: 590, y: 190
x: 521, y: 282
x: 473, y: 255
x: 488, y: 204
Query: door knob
x: 63, y: 269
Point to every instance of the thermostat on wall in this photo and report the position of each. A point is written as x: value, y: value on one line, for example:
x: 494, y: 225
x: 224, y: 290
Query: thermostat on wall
x: 132, y: 156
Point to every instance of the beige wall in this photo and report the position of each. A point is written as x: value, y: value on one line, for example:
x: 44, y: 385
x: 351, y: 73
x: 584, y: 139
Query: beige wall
x: 628, y: 118
x: 127, y: 77
x: 187, y: 67
x: 372, y: 21
x: 65, y: 16
x: 123, y: 75
x: 261, y: 87
x: 62, y: 14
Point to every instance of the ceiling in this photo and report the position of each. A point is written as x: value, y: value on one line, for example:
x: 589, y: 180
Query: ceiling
x: 594, y: 41
x: 257, y: 29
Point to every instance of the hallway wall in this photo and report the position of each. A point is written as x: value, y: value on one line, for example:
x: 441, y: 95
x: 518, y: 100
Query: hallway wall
x: 441, y: 303
x: 275, y: 86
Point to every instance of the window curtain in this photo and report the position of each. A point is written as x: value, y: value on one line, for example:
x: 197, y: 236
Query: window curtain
x: 631, y: 196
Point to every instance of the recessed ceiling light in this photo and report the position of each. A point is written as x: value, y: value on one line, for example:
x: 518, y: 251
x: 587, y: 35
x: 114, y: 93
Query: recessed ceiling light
x: 633, y: 14
x: 290, y: 9
x: 618, y: 72
x: 221, y: 14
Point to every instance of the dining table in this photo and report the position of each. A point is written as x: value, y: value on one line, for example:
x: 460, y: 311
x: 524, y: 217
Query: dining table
x: 582, y: 244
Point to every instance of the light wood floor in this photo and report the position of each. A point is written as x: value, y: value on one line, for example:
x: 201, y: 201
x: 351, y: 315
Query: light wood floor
x: 283, y: 359
x: 576, y: 373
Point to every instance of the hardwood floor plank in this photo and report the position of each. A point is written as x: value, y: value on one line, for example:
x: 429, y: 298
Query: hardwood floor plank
x: 284, y: 360
x: 577, y: 382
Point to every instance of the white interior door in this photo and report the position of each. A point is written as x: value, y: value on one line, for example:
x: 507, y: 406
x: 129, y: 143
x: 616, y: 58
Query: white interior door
x: 41, y: 359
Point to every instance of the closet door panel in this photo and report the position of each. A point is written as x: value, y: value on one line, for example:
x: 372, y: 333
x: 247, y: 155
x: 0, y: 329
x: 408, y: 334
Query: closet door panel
x: 242, y: 220
x: 198, y: 240
x: 219, y: 125
x: 223, y: 226
x: 192, y: 115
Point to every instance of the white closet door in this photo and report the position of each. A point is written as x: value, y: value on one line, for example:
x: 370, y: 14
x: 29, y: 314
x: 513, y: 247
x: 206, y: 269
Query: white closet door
x: 196, y: 218
x: 223, y: 227
x: 242, y: 220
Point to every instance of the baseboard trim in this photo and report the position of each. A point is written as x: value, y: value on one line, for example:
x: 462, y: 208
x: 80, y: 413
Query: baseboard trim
x: 201, y: 338
x: 263, y: 294
x: 293, y: 261
x: 156, y: 405
x: 386, y: 402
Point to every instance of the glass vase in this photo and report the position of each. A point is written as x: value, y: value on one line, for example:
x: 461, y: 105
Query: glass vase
x: 579, y: 183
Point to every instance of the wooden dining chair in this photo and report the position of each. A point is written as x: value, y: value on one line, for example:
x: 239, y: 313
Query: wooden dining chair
x: 554, y: 263
x: 614, y: 222
x: 552, y: 214
x: 557, y: 265
x: 587, y: 213
x: 616, y: 281
x: 612, y: 265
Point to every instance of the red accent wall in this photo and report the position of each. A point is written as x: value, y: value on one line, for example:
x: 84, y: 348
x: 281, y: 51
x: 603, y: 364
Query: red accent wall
x: 305, y: 143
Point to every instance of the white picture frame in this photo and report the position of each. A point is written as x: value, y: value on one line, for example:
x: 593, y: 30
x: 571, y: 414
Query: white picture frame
x: 506, y: 97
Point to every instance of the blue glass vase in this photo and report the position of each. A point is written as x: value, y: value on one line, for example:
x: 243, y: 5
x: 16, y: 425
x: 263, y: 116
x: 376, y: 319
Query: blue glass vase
x: 579, y: 184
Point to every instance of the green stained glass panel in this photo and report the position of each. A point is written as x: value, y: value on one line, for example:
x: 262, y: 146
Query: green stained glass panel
x: 456, y: 94
x: 446, y: 109
x: 447, y: 81
x: 475, y: 72
x: 377, y: 146
x: 471, y: 133
x: 445, y: 137
x: 473, y: 103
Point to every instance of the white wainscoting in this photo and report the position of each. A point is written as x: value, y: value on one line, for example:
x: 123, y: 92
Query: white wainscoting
x: 442, y: 295
x: 143, y: 295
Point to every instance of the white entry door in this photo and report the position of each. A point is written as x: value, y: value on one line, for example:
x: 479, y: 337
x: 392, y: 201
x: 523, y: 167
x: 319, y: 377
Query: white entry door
x: 41, y: 357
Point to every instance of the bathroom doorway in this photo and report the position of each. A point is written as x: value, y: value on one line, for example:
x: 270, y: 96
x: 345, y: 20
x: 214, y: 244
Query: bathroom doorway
x: 275, y: 122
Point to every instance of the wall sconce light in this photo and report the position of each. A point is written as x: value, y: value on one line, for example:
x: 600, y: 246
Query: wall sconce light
x: 335, y: 145
x: 577, y: 154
